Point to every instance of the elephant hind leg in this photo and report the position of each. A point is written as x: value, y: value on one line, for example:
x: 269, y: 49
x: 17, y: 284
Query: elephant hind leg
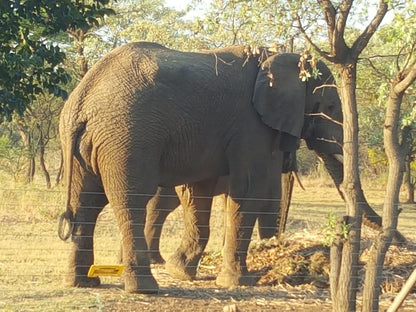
x: 196, y: 201
x: 129, y: 192
x: 88, y: 199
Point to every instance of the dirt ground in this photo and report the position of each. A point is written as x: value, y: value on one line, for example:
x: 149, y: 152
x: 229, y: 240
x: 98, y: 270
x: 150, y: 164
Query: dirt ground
x: 293, y: 277
x: 293, y: 272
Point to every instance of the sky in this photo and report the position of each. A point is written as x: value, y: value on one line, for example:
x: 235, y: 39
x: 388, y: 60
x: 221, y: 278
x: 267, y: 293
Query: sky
x: 177, y: 4
x: 181, y: 4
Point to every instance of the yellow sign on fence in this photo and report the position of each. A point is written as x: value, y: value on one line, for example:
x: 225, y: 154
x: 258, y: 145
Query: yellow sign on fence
x: 105, y: 270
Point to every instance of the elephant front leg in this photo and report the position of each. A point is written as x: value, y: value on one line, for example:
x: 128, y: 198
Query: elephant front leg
x: 196, y: 200
x: 238, y: 230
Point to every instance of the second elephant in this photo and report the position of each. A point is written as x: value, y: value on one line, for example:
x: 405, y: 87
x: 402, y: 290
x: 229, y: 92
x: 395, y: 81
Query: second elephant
x: 196, y: 201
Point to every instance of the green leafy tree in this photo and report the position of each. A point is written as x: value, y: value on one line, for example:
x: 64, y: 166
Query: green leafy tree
x: 389, y: 51
x: 256, y: 22
x: 397, y: 138
x: 147, y: 20
x: 30, y: 58
x: 343, y: 48
x: 32, y: 69
x: 12, y: 157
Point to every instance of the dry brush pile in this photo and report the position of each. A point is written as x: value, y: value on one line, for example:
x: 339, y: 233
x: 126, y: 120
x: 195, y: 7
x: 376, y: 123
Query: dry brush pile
x: 302, y: 259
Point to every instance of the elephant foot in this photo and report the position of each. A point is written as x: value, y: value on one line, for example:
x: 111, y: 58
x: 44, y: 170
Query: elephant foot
x: 83, y: 281
x: 156, y: 258
x: 177, y: 269
x: 145, y: 284
x: 229, y: 279
x: 179, y: 272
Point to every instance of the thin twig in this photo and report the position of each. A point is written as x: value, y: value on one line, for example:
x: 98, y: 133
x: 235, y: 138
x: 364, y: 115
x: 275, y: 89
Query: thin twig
x: 220, y: 59
x: 325, y: 116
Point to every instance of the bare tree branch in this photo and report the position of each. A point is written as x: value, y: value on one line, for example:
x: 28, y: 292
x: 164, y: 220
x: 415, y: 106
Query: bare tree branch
x: 409, y: 57
x: 365, y: 37
x: 379, y: 72
x: 330, y: 17
x: 345, y: 8
x: 308, y: 39
x: 325, y: 116
x: 409, y: 78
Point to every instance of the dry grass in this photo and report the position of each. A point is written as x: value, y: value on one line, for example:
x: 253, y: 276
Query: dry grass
x: 294, y: 272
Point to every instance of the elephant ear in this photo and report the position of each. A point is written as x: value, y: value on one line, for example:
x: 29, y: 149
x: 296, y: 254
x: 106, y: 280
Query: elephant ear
x: 279, y: 97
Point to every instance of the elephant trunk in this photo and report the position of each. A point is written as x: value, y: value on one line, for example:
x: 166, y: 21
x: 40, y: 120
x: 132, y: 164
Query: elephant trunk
x: 370, y: 217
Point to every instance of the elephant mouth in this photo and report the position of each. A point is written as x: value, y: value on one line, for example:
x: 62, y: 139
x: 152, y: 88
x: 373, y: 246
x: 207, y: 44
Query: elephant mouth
x: 65, y: 226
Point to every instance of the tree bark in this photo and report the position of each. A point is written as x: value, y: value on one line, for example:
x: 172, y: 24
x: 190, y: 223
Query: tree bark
x: 396, y: 153
x: 407, y: 287
x: 407, y: 181
x: 41, y: 144
x: 345, y: 251
x: 27, y: 141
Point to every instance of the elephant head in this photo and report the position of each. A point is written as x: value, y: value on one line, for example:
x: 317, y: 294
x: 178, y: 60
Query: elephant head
x: 308, y: 109
x: 298, y: 108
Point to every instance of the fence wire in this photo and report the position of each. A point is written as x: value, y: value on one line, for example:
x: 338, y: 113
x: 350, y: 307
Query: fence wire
x: 31, y: 254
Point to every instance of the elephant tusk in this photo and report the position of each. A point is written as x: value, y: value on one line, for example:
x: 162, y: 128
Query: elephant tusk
x: 339, y: 157
x: 65, y: 227
x: 298, y: 180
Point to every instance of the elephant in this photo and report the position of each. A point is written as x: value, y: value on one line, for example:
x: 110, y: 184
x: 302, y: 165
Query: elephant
x: 146, y: 116
x: 183, y: 264
x: 196, y: 214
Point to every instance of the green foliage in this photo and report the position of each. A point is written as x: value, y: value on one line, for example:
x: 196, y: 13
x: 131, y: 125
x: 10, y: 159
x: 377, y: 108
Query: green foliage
x: 12, y: 157
x: 377, y: 159
x: 135, y: 20
x: 334, y: 229
x: 256, y: 22
x: 391, y: 50
x: 30, y: 59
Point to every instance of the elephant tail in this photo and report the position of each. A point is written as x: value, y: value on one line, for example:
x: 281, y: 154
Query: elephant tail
x: 66, y: 220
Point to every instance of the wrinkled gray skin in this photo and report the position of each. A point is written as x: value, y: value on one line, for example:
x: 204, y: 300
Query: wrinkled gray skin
x: 183, y: 264
x: 146, y: 116
x: 196, y: 214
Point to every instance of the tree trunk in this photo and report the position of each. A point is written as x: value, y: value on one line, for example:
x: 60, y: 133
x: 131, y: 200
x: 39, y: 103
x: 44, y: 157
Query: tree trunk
x: 345, y: 250
x: 79, y: 37
x: 27, y: 142
x: 42, y: 161
x: 407, y: 181
x: 396, y: 153
x: 370, y: 217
